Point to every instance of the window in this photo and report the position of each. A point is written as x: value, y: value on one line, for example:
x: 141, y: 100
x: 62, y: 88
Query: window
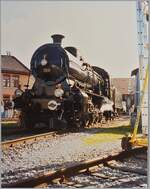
x: 15, y: 81
x: 6, y: 80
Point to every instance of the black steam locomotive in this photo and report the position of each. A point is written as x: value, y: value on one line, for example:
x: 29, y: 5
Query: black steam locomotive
x: 67, y: 92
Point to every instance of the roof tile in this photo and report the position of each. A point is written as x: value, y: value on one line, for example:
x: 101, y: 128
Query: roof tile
x: 123, y: 85
x: 12, y: 64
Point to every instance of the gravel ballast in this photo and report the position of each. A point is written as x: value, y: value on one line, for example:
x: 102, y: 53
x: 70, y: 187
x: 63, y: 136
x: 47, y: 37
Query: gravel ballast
x: 50, y: 154
x: 27, y: 160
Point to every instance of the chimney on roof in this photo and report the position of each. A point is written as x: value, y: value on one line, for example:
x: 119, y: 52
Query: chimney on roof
x: 8, y: 53
x: 57, y: 39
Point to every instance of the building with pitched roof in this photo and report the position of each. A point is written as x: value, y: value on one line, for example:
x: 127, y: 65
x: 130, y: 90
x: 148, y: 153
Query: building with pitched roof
x: 14, y: 74
x: 125, y: 88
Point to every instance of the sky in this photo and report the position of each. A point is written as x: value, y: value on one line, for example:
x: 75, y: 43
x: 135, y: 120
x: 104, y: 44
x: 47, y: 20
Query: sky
x: 105, y: 32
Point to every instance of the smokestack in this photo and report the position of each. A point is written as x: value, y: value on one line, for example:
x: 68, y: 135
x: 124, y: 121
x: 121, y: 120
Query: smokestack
x: 57, y: 39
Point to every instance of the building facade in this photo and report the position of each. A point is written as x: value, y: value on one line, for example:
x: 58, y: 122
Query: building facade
x: 14, y: 74
x: 124, y: 92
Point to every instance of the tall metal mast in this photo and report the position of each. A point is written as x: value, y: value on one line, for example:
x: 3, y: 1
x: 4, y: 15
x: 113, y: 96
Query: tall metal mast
x: 143, y: 46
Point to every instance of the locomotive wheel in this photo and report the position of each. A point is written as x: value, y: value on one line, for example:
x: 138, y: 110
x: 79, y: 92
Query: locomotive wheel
x: 76, y: 125
x: 95, y: 120
x: 100, y: 117
x: 85, y: 122
x: 79, y: 124
x: 25, y: 121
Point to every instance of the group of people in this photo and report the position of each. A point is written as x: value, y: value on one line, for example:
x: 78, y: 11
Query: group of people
x: 7, y: 109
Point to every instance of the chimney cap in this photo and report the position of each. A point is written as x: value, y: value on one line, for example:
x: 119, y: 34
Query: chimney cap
x: 58, y: 35
x: 8, y: 53
x: 57, y: 38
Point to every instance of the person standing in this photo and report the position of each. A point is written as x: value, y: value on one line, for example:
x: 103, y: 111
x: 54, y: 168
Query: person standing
x: 10, y: 108
x: 6, y: 109
x: 2, y: 108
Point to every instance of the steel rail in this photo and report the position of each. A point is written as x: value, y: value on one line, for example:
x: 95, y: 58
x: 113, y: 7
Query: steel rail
x: 72, y: 170
x: 11, y: 143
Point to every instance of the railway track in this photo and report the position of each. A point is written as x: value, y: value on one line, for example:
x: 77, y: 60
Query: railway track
x: 32, y: 137
x: 15, y: 135
x: 86, y: 167
x: 24, y: 140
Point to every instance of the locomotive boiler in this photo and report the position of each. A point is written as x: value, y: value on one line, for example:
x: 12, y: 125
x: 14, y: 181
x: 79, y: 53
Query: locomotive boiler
x: 67, y: 90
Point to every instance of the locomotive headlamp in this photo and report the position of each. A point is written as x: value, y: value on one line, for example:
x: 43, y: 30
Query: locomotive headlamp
x: 18, y: 92
x: 52, y: 105
x: 44, y: 61
x: 58, y: 92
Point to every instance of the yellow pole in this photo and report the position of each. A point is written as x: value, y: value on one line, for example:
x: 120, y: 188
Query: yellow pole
x: 139, y: 112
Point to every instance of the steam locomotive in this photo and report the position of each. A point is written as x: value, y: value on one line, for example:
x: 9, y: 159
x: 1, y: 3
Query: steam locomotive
x: 67, y: 92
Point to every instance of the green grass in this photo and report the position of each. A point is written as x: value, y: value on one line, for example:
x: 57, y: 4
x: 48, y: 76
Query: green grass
x: 107, y: 134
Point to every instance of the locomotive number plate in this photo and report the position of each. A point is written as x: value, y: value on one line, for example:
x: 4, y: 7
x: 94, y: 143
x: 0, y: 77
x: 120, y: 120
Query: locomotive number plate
x: 45, y: 70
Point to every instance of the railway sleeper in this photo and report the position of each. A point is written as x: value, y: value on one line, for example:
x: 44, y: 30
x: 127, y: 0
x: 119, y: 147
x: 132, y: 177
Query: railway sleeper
x: 73, y: 170
x: 126, y: 169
